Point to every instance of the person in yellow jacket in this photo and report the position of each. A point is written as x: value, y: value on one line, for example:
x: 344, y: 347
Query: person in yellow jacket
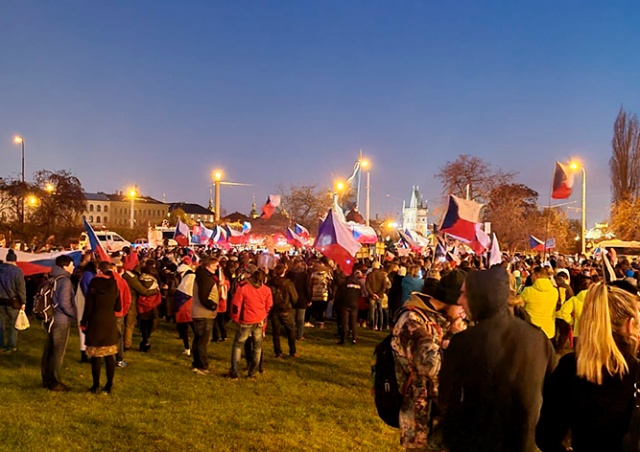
x: 540, y: 301
x: 571, y: 310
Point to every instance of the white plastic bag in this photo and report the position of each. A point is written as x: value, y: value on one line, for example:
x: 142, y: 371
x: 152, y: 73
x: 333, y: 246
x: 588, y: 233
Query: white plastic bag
x: 22, y: 322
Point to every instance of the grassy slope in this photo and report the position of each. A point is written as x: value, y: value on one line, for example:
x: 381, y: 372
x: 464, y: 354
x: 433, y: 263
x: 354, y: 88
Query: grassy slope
x: 320, y: 401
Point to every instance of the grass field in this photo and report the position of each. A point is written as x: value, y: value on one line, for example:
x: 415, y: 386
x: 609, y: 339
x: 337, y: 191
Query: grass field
x: 320, y: 401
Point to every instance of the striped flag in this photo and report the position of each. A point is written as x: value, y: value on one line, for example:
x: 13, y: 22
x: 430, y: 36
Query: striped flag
x: 96, y: 247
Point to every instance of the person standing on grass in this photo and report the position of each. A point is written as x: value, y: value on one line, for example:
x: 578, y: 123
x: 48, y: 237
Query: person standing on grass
x: 203, y: 311
x: 125, y: 302
x: 348, y: 296
x: 249, y: 309
x: 64, y: 316
x: 284, y: 296
x: 320, y: 282
x: 89, y: 271
x: 137, y: 290
x: 101, y: 329
x: 183, y: 301
x: 300, y: 278
x: 13, y: 296
x: 376, y: 287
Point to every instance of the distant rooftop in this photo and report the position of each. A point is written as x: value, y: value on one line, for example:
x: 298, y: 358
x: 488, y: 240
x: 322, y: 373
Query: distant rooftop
x: 190, y: 208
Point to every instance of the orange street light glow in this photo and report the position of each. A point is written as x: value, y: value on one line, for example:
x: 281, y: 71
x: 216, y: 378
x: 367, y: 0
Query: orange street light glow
x: 339, y: 186
x: 364, y: 163
x: 17, y: 139
x: 49, y: 187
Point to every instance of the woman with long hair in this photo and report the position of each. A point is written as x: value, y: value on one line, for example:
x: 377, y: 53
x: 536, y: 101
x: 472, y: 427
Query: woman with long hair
x: 591, y: 392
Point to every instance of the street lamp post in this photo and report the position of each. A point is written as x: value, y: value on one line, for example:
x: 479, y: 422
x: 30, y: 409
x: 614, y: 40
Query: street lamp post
x: 19, y: 140
x: 217, y: 177
x: 574, y: 166
x: 132, y: 197
x: 365, y: 164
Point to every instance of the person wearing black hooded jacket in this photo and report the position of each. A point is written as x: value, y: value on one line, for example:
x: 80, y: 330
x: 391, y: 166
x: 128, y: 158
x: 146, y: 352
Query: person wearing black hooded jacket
x: 492, y: 374
x: 284, y: 297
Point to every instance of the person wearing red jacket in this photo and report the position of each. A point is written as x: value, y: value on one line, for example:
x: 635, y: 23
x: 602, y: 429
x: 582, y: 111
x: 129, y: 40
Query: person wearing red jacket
x: 249, y: 309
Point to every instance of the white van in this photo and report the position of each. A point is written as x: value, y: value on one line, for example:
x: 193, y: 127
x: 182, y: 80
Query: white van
x: 111, y: 241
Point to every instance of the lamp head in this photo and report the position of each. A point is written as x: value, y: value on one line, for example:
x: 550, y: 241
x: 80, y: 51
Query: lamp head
x: 49, y: 187
x: 217, y: 176
x: 32, y: 200
x: 574, y: 166
x: 17, y: 139
x: 364, y: 163
x: 339, y: 186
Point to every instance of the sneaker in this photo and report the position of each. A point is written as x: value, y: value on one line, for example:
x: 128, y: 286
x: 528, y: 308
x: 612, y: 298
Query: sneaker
x: 354, y: 342
x: 187, y: 352
x: 201, y: 371
x: 309, y: 325
x: 121, y: 364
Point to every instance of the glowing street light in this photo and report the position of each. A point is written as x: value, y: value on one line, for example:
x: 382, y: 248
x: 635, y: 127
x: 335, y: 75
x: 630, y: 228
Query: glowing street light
x: 32, y: 201
x: 575, y: 166
x: 339, y: 186
x: 19, y: 140
x: 365, y: 164
x: 132, y: 192
x: 49, y: 188
x: 217, y: 178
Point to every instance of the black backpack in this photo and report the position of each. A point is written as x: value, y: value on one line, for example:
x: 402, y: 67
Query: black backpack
x: 43, y: 306
x: 388, y: 396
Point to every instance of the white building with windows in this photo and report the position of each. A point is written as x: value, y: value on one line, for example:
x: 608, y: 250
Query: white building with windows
x: 415, y: 216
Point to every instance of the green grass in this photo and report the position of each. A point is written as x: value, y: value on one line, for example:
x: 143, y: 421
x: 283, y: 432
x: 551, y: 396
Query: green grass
x: 321, y: 401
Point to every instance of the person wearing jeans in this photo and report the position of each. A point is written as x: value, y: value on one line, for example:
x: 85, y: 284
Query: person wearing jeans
x: 64, y: 316
x: 249, y: 309
x: 204, y: 307
x: 300, y: 278
x: 13, y: 295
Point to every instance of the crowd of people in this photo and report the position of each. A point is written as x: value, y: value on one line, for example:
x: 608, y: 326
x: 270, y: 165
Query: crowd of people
x: 522, y: 355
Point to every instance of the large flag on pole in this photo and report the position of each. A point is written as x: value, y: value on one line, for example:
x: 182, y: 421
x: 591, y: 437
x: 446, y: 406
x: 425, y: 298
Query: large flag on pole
x: 294, y: 239
x: 94, y: 243
x: 336, y: 242
x: 37, y: 263
x: 562, y: 182
x: 461, y: 218
x: 181, y: 234
x: 301, y: 231
x: 348, y: 198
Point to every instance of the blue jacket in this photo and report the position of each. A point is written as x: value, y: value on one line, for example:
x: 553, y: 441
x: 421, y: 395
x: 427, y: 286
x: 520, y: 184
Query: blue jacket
x: 409, y: 285
x: 12, y: 282
x: 63, y: 297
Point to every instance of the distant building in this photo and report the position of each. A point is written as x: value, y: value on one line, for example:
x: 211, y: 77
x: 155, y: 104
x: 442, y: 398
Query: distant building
x: 194, y: 212
x: 415, y: 216
x: 112, y: 210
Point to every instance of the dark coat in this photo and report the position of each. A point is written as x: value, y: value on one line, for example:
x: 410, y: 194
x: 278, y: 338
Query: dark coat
x: 288, y: 296
x: 492, y: 375
x: 395, y: 293
x: 300, y: 280
x: 349, y: 293
x: 99, y: 318
x: 597, y: 415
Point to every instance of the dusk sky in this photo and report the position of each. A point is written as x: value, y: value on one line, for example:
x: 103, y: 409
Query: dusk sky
x: 160, y: 93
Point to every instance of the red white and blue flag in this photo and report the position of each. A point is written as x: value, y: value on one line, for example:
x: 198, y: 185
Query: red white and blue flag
x: 200, y: 234
x: 363, y: 234
x: 538, y: 245
x: 94, y: 243
x: 246, y: 227
x: 37, y: 263
x: 461, y: 218
x: 336, y: 242
x: 273, y: 201
x: 181, y: 234
x: 481, y: 242
x: 562, y: 182
x: 294, y: 239
x: 301, y: 231
x: 234, y: 236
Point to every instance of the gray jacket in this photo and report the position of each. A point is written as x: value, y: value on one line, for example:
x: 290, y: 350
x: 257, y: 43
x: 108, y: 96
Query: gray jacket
x: 63, y: 297
x: 12, y: 282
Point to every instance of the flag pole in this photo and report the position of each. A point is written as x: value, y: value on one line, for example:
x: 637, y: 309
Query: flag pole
x: 546, y: 232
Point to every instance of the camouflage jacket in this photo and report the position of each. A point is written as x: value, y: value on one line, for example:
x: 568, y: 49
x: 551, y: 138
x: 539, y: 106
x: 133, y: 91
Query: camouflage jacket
x: 417, y: 352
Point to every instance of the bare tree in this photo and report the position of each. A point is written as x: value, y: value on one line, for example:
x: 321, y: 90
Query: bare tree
x: 471, y: 171
x: 304, y: 204
x: 624, y: 164
x: 511, y: 209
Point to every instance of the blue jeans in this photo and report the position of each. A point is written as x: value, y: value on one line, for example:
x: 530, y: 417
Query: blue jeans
x: 54, y: 351
x: 299, y: 319
x: 8, y: 332
x: 375, y: 314
x: 242, y: 334
x: 202, y: 329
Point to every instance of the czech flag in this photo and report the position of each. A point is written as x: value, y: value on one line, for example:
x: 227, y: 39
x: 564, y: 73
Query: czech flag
x: 461, y: 218
x: 301, y: 231
x: 482, y: 241
x: 562, y: 182
x: 336, y: 242
x: 363, y: 234
x: 96, y: 247
x: 536, y: 244
x: 273, y: 201
x: 246, y: 227
x: 294, y: 239
x: 181, y: 234
x: 234, y: 236
x: 37, y: 263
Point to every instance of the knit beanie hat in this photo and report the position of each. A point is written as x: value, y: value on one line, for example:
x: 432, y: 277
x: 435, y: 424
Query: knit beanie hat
x: 11, y: 256
x: 448, y: 290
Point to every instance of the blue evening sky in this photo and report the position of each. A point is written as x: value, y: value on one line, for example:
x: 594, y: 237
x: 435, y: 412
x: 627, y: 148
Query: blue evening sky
x: 160, y: 93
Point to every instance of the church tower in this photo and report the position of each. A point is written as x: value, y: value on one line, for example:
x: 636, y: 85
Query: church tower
x: 415, y: 217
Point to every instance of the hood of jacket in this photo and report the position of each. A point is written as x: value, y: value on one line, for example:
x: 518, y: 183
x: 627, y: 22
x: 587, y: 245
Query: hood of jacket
x: 59, y: 271
x: 420, y: 300
x: 543, y: 285
x: 487, y: 292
